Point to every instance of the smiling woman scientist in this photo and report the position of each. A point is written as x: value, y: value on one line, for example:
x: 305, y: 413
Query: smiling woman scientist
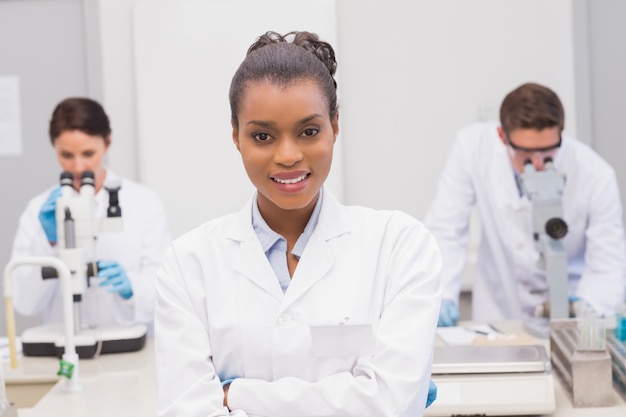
x: 296, y: 305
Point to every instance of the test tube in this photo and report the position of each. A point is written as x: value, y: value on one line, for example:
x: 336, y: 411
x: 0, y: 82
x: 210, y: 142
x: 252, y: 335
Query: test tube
x: 591, y: 328
x: 620, y: 323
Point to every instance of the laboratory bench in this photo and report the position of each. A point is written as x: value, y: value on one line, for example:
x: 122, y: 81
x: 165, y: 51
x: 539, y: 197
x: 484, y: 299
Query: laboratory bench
x: 562, y: 399
x: 115, y: 384
x: 123, y: 384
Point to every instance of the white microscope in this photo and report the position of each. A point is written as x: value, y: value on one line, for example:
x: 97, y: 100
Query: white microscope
x: 545, y: 191
x: 77, y: 231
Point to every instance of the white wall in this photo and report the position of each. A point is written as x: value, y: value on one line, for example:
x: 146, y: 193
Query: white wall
x: 608, y: 78
x: 415, y: 72
x: 185, y: 55
x: 30, y: 34
x: 118, y: 83
x: 412, y: 73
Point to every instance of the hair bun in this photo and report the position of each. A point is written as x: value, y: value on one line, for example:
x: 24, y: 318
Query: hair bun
x: 307, y: 40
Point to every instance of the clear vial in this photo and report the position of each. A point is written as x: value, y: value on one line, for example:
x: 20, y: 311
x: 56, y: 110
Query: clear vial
x: 591, y: 328
x: 620, y: 323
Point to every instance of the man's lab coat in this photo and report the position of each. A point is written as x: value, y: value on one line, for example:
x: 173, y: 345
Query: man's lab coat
x: 139, y: 248
x: 507, y: 282
x: 351, y: 336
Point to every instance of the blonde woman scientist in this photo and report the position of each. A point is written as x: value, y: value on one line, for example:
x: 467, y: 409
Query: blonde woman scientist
x: 297, y: 305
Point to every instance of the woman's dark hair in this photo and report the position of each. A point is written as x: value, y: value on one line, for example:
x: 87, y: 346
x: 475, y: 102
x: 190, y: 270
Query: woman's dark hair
x: 284, y: 59
x: 531, y: 106
x: 79, y: 113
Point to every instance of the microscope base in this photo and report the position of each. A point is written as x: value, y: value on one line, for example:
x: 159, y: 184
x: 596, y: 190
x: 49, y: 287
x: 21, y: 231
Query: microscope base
x: 49, y: 340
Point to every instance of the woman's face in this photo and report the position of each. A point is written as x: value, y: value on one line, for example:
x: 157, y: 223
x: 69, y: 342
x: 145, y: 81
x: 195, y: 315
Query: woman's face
x: 286, y: 139
x: 79, y: 152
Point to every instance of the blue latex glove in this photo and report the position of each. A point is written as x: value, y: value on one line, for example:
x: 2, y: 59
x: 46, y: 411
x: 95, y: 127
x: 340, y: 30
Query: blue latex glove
x: 47, y: 215
x: 448, y: 313
x: 115, y: 276
x: 432, y: 393
x: 576, y: 303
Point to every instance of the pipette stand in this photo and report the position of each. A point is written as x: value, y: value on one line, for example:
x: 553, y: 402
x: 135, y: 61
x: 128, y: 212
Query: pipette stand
x: 586, y: 374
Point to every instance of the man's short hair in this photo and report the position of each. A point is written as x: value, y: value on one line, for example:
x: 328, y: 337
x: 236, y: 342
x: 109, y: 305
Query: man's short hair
x: 531, y: 106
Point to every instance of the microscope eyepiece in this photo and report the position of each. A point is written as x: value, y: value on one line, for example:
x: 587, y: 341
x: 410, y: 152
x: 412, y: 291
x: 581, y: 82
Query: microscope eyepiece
x: 67, y: 178
x: 88, y: 178
x: 548, y: 163
x: 556, y: 228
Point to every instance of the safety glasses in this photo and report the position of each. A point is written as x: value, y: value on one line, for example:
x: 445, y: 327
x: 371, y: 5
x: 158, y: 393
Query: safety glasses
x: 533, y: 150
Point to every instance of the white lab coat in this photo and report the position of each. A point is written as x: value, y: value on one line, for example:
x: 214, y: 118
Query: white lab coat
x: 221, y: 313
x: 139, y: 248
x: 479, y: 172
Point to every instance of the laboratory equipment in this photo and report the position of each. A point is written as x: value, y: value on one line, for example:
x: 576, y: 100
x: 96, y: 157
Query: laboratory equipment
x: 69, y: 361
x: 77, y: 232
x: 616, y: 344
x: 581, y: 360
x: 545, y: 189
x: 617, y: 350
x: 492, y: 381
x: 620, y: 323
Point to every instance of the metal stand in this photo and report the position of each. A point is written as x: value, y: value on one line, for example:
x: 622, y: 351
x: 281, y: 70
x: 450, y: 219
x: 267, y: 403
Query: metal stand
x: 586, y: 374
x: 617, y: 350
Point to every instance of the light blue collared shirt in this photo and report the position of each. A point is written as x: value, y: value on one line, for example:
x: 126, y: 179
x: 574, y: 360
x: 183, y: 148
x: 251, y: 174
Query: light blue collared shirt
x: 275, y: 246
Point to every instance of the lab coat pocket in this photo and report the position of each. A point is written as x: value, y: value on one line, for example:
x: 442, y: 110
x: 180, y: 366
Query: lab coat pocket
x: 342, y: 340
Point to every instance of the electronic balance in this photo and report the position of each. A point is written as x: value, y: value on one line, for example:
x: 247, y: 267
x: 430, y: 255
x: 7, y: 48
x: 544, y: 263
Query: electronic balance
x: 492, y: 381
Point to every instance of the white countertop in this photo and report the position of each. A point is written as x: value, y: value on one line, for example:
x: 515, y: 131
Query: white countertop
x: 123, y: 384
x: 115, y: 384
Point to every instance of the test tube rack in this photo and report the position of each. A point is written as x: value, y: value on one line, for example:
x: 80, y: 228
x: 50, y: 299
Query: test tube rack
x: 617, y: 350
x: 586, y: 374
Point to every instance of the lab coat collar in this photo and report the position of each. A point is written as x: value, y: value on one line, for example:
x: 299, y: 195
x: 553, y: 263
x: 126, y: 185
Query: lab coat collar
x: 333, y: 221
x: 111, y: 177
x: 316, y: 260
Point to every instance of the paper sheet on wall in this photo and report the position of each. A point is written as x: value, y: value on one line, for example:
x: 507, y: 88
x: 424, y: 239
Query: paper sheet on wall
x: 10, y: 116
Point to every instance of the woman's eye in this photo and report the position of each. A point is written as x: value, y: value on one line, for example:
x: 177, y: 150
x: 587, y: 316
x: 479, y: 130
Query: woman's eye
x: 310, y: 132
x: 261, y: 137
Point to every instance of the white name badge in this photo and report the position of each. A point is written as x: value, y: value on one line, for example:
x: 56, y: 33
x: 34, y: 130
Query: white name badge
x: 342, y: 340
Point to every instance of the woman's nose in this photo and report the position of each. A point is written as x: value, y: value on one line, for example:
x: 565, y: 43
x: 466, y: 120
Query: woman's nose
x: 288, y: 152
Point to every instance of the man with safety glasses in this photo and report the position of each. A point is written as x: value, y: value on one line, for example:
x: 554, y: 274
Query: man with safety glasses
x: 483, y: 170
